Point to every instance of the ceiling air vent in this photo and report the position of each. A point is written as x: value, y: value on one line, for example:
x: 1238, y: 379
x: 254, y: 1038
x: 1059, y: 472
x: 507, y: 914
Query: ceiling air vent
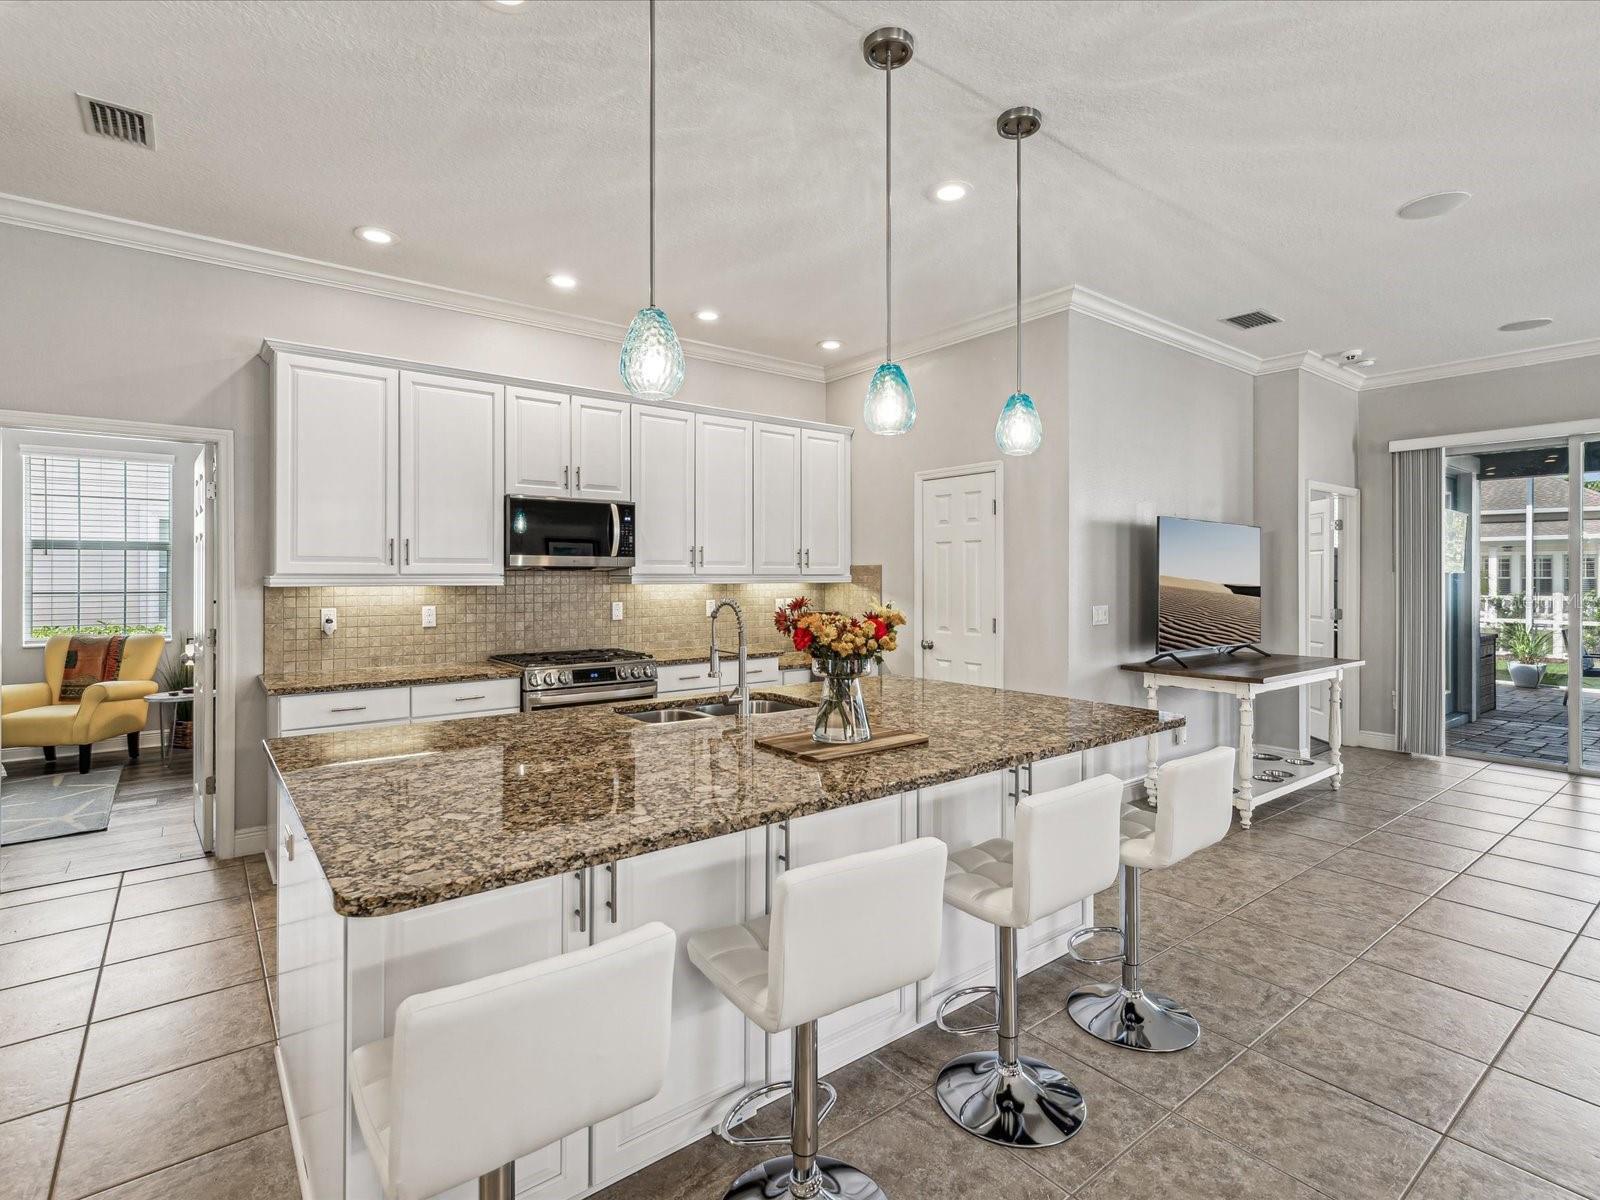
x: 1251, y: 320
x: 118, y: 123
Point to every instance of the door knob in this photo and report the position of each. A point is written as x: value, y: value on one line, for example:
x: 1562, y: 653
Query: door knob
x: 926, y: 644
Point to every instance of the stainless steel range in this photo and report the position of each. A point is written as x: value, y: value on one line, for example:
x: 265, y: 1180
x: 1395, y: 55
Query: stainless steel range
x: 551, y: 678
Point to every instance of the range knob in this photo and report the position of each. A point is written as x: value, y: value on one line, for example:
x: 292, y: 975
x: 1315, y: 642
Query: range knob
x: 625, y: 673
x: 648, y: 671
x: 548, y: 679
x: 566, y: 677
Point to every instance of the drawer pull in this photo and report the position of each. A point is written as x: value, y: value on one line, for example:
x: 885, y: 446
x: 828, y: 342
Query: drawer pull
x: 288, y: 843
x: 350, y: 708
x: 464, y: 699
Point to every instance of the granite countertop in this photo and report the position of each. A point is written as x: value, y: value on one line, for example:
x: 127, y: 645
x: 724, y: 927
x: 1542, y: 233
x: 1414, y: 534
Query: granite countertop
x: 348, y: 679
x: 786, y: 658
x: 409, y: 815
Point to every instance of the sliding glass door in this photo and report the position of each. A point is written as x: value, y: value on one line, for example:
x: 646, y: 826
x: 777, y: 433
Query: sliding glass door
x: 1584, y: 659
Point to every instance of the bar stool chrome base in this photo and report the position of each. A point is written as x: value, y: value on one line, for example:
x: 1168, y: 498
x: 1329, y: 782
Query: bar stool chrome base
x: 1134, y: 1020
x: 774, y: 1180
x: 1029, y: 1103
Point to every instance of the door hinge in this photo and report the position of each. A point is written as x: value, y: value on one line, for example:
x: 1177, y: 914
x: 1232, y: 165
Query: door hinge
x: 1338, y: 614
x: 1338, y: 524
x: 994, y: 624
x: 211, y: 785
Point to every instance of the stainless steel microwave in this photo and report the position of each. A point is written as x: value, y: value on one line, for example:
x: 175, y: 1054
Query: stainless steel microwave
x: 551, y: 533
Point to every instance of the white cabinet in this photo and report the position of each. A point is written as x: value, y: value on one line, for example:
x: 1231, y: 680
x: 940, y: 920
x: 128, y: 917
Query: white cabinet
x: 825, y: 502
x: 559, y: 445
x: 777, y: 500
x: 602, y: 467
x: 336, y: 467
x: 319, y: 712
x: 663, y: 461
x: 722, y: 494
x: 716, y: 1055
x: 452, y: 486
x: 538, y: 442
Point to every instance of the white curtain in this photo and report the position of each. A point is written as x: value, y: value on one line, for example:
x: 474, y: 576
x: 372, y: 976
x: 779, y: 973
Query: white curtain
x: 1419, y: 597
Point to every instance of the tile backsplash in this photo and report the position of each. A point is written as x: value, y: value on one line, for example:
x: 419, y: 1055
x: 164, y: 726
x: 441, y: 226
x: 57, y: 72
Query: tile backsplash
x: 535, y: 610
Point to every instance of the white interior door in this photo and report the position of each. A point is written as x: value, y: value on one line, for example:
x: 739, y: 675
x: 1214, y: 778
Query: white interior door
x: 203, y: 624
x: 1321, y: 512
x: 959, y: 621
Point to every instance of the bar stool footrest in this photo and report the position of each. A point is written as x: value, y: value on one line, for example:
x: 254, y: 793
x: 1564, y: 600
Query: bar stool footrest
x: 1083, y: 935
x: 743, y: 1110
x: 958, y: 998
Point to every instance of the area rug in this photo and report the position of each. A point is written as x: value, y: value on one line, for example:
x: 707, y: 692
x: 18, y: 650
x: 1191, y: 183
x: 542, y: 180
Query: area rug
x: 52, y: 806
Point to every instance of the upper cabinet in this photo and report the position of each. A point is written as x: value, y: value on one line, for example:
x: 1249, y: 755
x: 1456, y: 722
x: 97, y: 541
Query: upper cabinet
x: 558, y: 445
x: 824, y: 502
x: 722, y: 494
x: 382, y: 475
x: 665, y: 542
x: 777, y: 499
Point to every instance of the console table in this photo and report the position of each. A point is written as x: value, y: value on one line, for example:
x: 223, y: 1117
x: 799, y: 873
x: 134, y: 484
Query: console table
x: 1246, y: 677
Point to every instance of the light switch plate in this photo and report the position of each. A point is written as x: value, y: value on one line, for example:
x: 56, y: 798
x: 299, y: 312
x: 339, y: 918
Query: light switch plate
x: 616, y: 610
x: 430, y: 616
x: 1101, y: 614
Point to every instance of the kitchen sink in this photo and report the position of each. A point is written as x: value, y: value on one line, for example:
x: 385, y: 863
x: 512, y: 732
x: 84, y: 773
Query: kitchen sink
x: 668, y: 716
x: 730, y: 708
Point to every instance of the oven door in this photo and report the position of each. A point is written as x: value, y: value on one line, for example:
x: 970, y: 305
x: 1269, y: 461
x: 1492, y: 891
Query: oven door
x: 571, y: 535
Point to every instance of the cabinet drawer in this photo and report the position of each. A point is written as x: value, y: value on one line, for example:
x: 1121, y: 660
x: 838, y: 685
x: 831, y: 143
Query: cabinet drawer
x: 684, y: 677
x: 759, y: 670
x: 324, y: 710
x: 435, y: 700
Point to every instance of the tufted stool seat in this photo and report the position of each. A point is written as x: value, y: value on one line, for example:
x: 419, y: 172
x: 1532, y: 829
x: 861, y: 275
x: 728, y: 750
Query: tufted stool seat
x: 1065, y: 851
x: 1196, y: 809
x: 840, y: 932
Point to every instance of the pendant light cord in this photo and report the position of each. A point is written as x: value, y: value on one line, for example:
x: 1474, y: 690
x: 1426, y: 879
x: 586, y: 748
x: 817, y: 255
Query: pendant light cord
x: 888, y: 229
x: 652, y: 153
x: 1019, y: 264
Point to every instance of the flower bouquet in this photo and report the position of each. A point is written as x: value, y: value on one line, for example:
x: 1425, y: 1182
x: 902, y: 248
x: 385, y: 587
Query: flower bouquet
x: 842, y: 650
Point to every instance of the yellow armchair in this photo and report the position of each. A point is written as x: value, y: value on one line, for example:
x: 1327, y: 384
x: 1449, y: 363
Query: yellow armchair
x: 33, y: 714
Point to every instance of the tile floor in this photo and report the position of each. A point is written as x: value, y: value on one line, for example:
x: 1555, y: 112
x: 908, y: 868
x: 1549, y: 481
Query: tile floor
x: 136, y: 1038
x: 1399, y: 986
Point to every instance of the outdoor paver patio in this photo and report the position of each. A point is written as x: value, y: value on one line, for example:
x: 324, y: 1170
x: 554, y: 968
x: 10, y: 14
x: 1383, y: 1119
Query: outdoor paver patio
x: 1527, y: 723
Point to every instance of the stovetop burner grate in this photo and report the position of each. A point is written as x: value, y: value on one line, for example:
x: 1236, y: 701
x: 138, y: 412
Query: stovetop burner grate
x: 569, y: 658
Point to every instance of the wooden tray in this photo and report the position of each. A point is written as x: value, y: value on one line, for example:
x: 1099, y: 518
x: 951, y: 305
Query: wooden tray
x: 800, y: 745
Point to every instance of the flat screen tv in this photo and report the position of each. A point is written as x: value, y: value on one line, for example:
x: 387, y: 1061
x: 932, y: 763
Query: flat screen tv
x: 1210, y: 585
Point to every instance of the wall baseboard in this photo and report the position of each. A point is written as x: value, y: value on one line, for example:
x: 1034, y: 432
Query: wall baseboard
x: 1373, y: 741
x: 149, y: 739
x: 250, y: 841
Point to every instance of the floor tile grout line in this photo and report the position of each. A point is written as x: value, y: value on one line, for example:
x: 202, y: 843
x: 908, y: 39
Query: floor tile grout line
x: 182, y: 1161
x: 199, y: 1062
x: 77, y: 1069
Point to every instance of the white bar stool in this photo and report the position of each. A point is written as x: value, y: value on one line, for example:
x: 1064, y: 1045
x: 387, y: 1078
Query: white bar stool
x: 1195, y: 810
x: 1065, y: 851
x: 840, y: 932
x: 479, y: 1074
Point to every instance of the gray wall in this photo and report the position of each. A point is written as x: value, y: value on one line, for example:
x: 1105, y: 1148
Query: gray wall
x: 1536, y: 395
x: 97, y: 330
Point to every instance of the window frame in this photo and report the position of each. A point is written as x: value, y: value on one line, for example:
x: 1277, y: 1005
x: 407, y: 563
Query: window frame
x: 24, y: 453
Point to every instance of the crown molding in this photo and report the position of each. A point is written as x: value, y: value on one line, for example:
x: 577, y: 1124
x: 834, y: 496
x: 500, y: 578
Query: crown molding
x: 1313, y: 363
x: 1505, y: 361
x: 156, y: 239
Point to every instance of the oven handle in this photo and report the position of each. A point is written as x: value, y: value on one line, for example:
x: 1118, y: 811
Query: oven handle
x: 532, y: 700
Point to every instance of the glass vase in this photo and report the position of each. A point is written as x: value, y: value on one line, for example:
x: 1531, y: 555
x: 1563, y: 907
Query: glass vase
x: 842, y: 714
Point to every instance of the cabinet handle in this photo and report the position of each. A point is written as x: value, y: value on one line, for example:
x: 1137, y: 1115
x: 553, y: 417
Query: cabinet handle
x: 349, y: 708
x: 582, y: 911
x: 464, y: 699
x: 391, y: 552
x: 565, y: 480
x: 783, y: 828
x: 612, y: 906
x: 408, y: 552
x: 580, y: 478
x: 808, y: 558
x: 797, y: 560
x: 288, y: 843
x: 1029, y: 768
x: 702, y: 556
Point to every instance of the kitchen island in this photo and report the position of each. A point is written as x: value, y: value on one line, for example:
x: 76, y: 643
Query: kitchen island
x: 414, y: 856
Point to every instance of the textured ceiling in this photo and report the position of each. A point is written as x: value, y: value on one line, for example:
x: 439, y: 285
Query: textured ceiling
x: 1197, y: 159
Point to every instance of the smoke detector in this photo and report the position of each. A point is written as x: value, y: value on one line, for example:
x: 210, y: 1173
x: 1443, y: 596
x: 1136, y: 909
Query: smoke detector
x: 117, y: 122
x: 1251, y: 320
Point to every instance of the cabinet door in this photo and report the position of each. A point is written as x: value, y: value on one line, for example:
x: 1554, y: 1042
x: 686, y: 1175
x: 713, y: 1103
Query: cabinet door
x: 336, y: 464
x: 825, y: 502
x: 452, y: 492
x: 601, y: 464
x: 961, y: 814
x: 714, y: 1056
x: 663, y: 473
x: 724, y: 465
x: 777, y: 500
x: 538, y: 443
x: 845, y: 1036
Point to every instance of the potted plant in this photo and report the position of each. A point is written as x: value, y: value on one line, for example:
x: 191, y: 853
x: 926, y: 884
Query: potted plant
x: 176, y: 674
x: 1529, y: 648
x: 842, y: 650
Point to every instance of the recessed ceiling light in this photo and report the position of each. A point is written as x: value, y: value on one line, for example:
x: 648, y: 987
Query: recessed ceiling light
x: 1520, y: 326
x: 374, y: 234
x: 707, y: 314
x: 951, y: 190
x: 561, y: 280
x: 828, y: 344
x: 504, y: 5
x: 1434, y: 205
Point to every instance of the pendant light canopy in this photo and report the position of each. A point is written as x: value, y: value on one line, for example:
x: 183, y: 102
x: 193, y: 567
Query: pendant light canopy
x: 890, y: 408
x: 652, y: 360
x: 1018, y: 431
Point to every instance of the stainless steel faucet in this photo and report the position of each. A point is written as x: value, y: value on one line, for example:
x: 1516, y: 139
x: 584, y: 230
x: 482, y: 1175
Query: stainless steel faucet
x: 741, y: 693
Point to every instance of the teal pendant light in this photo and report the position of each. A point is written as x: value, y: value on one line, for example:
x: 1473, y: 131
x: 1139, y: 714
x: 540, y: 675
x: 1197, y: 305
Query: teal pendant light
x: 889, y: 408
x: 652, y: 360
x: 1019, y: 430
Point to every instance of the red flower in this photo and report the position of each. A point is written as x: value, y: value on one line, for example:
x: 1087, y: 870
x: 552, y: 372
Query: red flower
x: 880, y: 628
x: 802, y: 638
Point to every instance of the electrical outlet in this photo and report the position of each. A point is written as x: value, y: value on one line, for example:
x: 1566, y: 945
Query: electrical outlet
x: 430, y: 616
x: 1101, y: 614
x: 330, y: 621
x: 616, y: 610
x: 711, y: 607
